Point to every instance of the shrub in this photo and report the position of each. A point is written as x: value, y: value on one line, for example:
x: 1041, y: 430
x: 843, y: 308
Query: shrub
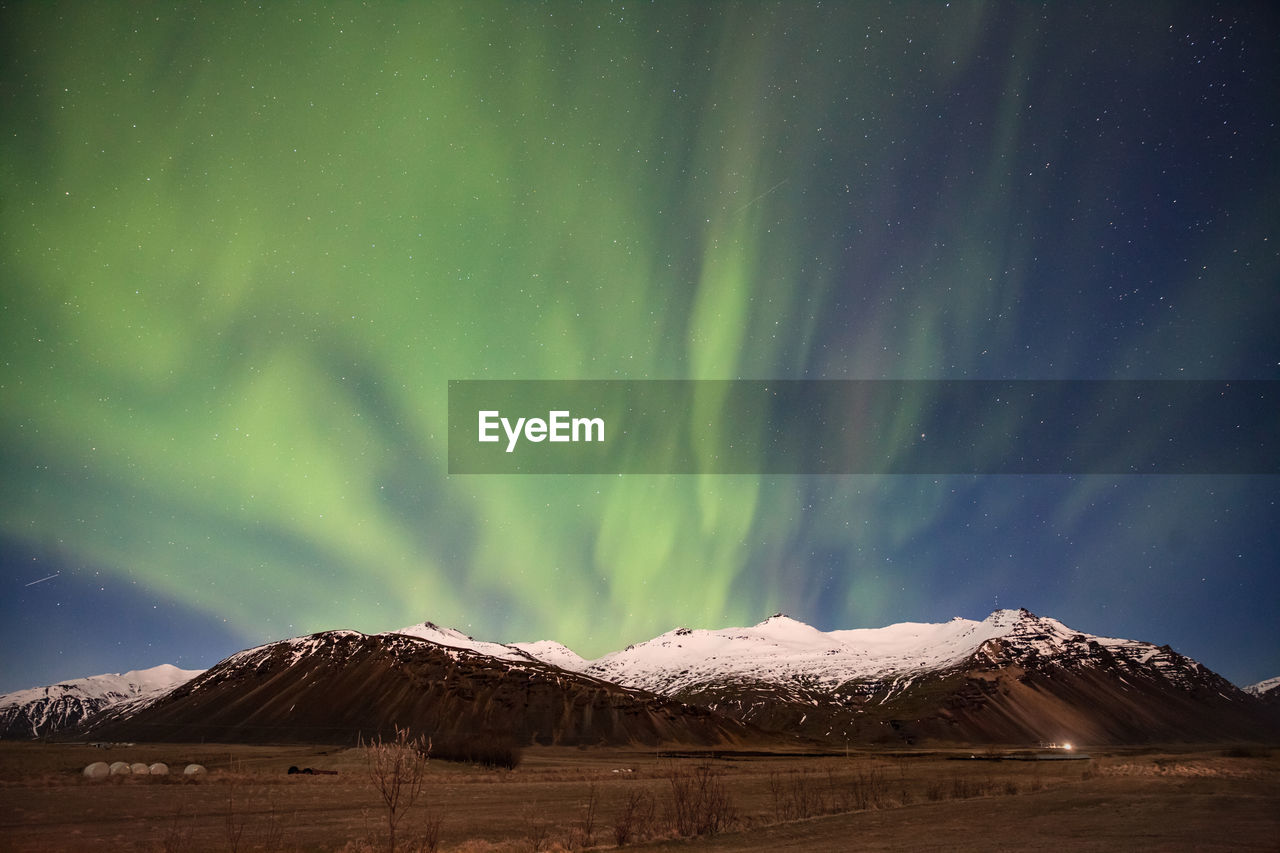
x: 795, y: 796
x: 868, y: 790
x: 589, y: 815
x: 489, y: 749
x: 699, y: 801
x: 397, y: 770
x: 635, y: 820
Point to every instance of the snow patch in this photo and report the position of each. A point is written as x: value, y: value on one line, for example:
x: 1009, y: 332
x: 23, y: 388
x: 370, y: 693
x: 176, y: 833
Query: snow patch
x: 1263, y: 687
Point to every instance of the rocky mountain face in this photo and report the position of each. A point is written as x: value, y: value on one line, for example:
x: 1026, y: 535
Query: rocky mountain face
x: 1012, y: 678
x: 1268, y: 691
x: 42, y: 711
x: 340, y: 686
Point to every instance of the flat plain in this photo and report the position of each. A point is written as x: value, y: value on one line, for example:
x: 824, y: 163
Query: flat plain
x: 1172, y: 798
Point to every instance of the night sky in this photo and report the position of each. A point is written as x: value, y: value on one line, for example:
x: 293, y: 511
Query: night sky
x: 245, y: 249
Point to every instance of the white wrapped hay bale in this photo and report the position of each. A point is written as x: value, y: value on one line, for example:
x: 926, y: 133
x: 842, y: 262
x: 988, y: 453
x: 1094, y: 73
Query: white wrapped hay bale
x: 97, y: 770
x: 159, y: 769
x: 121, y: 768
x: 139, y: 768
x: 194, y: 771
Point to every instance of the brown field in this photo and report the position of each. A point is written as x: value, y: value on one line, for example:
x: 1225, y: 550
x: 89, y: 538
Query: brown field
x: 558, y: 799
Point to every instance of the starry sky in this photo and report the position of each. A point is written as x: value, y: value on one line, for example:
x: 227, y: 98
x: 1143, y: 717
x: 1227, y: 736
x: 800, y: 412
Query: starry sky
x: 244, y: 248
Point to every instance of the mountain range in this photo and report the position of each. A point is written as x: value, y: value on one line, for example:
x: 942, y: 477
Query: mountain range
x: 1012, y: 678
x: 1267, y: 690
x: 41, y: 711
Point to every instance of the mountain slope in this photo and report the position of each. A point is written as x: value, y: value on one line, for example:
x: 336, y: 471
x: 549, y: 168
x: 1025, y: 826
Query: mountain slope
x: 781, y: 650
x: 42, y: 711
x: 1267, y: 691
x: 1013, y: 677
x: 338, y: 686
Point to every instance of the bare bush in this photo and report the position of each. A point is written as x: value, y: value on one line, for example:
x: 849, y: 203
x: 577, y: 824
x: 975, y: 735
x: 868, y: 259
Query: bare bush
x: 699, y: 802
x: 868, y: 789
x: 431, y: 833
x: 796, y: 795
x: 800, y: 794
x: 397, y: 770
x: 963, y: 789
x: 427, y: 838
x: 589, y: 815
x: 635, y: 820
x: 537, y: 827
x: 179, y: 833
x: 489, y: 749
x: 905, y: 795
x: 271, y: 834
x: 233, y: 822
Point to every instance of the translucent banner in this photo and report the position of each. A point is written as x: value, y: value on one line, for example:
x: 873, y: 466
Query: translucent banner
x: 863, y: 427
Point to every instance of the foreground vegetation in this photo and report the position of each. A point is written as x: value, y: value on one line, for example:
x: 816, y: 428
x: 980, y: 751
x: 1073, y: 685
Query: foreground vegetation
x: 393, y: 794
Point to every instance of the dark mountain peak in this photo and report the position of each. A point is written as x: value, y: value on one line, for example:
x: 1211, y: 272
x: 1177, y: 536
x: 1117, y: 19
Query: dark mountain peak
x: 339, y: 686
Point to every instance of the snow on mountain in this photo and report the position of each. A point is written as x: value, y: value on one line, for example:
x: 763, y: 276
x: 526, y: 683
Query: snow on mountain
x: 1007, y: 678
x: 454, y: 638
x: 556, y: 654
x: 542, y: 651
x: 786, y: 659
x: 450, y: 638
x: 41, y: 711
x: 1262, y: 688
x: 341, y: 686
x: 782, y: 650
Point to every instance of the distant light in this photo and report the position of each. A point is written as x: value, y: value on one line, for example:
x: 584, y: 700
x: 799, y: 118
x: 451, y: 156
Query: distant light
x: 1067, y: 746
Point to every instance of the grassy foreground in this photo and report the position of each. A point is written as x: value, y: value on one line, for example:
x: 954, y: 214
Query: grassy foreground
x: 562, y: 799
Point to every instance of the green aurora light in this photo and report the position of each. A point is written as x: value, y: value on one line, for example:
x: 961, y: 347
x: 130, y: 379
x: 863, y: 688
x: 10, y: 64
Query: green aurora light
x: 245, y: 250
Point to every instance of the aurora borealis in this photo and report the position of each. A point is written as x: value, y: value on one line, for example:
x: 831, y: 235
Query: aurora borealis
x: 245, y: 249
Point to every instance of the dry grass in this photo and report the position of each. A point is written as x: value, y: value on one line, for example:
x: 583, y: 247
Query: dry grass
x: 577, y: 799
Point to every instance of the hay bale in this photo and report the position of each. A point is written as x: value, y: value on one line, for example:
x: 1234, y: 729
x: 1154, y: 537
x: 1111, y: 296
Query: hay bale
x: 139, y: 768
x: 121, y: 768
x: 97, y: 770
x: 194, y: 771
x: 159, y: 769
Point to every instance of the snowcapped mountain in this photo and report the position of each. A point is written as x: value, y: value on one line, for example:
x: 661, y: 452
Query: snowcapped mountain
x: 556, y: 654
x: 783, y: 651
x: 543, y: 651
x: 453, y: 638
x: 41, y: 711
x: 340, y: 686
x: 1012, y: 677
x: 1268, y: 689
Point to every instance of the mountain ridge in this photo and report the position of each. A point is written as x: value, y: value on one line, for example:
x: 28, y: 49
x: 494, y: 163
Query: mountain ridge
x: 38, y: 711
x: 1011, y: 677
x: 1268, y: 689
x: 345, y: 686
